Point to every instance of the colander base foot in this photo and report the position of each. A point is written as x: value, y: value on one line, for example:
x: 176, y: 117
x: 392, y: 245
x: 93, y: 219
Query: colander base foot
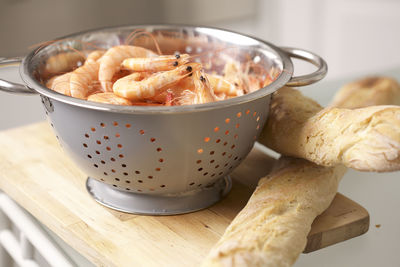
x: 158, y: 204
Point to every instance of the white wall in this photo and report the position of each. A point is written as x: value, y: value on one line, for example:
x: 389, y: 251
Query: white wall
x: 356, y: 37
x: 28, y: 22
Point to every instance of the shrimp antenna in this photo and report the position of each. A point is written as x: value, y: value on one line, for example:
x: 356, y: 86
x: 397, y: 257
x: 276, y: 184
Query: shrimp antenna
x: 90, y: 44
x: 139, y: 32
x: 39, y: 46
x: 129, y: 37
x: 143, y: 32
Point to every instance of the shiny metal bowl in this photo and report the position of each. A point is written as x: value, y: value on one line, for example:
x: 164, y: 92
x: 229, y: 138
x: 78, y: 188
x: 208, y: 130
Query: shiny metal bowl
x: 162, y: 160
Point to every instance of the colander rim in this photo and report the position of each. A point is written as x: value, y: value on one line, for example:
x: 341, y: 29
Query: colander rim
x: 280, y: 81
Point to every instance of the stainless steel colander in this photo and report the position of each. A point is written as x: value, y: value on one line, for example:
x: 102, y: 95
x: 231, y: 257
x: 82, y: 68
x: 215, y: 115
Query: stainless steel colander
x: 162, y: 160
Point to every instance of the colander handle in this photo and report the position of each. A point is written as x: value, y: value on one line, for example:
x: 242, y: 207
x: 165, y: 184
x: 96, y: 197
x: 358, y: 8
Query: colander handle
x: 12, y: 87
x: 309, y: 57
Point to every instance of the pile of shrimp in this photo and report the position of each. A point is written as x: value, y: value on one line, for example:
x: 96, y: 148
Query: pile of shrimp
x: 133, y: 75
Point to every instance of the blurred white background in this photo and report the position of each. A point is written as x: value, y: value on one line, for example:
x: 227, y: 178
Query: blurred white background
x: 355, y: 37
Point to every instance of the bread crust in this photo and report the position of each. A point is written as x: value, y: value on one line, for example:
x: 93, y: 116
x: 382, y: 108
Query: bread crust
x: 365, y: 139
x: 368, y: 91
x: 272, y: 228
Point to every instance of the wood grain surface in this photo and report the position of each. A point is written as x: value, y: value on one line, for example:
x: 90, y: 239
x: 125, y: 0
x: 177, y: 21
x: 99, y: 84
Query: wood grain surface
x: 36, y: 173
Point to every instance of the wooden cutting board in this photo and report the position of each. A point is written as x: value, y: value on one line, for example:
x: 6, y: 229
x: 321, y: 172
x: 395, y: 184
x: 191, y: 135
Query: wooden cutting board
x: 36, y: 173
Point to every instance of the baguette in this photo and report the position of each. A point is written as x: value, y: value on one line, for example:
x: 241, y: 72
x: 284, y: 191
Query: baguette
x: 272, y: 228
x: 269, y: 231
x: 369, y: 91
x: 365, y: 139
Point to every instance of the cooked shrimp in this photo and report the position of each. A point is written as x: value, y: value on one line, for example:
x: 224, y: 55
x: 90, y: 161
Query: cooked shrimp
x: 234, y: 75
x: 134, y: 77
x: 220, y: 85
x: 160, y: 63
x: 60, y: 84
x: 220, y: 96
x: 203, y: 91
x: 82, y: 79
x: 109, y: 98
x: 186, y: 98
x: 94, y: 56
x: 169, y: 98
x: 50, y: 82
x: 120, y: 74
x: 255, y: 76
x: 147, y: 88
x: 112, y: 59
x: 63, y: 62
x: 200, y: 94
x: 254, y: 83
x: 174, y: 91
x: 166, y: 98
x: 266, y: 82
x: 95, y: 88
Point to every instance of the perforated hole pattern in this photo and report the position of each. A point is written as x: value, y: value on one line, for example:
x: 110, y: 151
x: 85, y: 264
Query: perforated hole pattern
x: 156, y: 154
x: 162, y: 153
x: 217, y: 153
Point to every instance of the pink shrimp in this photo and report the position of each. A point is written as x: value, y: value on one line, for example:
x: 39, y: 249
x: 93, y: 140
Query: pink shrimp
x: 109, y: 98
x: 203, y: 90
x: 62, y: 62
x: 234, y: 75
x: 82, y: 78
x: 221, y: 85
x: 220, y: 96
x: 254, y: 83
x: 147, y: 88
x: 112, y: 59
x: 174, y: 91
x: 50, y: 82
x: 160, y: 63
x: 94, y: 56
x: 94, y: 88
x: 60, y: 84
x: 133, y: 77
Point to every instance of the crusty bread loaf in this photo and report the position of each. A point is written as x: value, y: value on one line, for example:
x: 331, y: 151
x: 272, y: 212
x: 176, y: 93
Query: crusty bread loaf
x: 271, y: 231
x: 366, y: 139
x: 369, y: 91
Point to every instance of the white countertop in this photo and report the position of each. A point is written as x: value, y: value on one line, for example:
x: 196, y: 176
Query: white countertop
x: 378, y: 193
